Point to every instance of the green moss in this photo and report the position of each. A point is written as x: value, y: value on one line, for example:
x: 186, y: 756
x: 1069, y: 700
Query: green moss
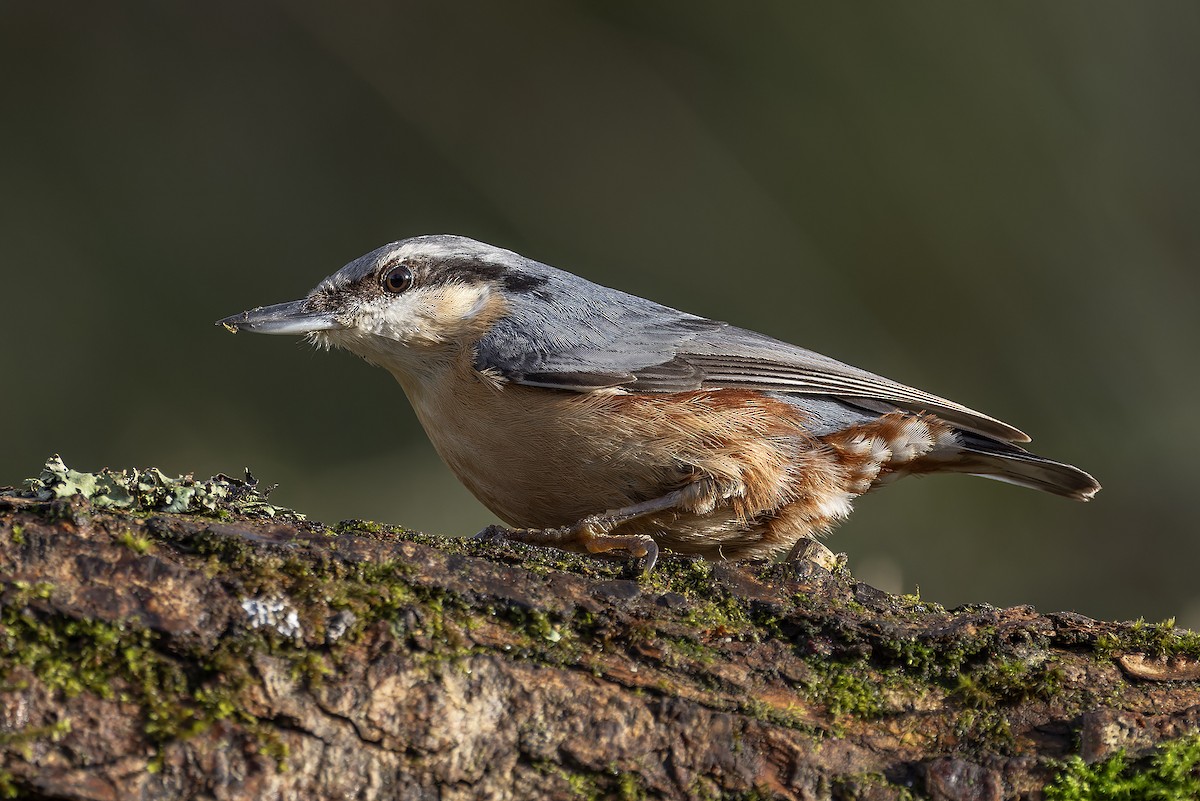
x: 918, y: 657
x: 610, y: 784
x: 845, y: 692
x: 789, y: 717
x: 988, y: 728
x: 685, y: 649
x: 1015, y: 681
x: 74, y: 656
x: 1173, y: 772
x: 582, y: 786
x: 1007, y: 682
x: 124, y: 661
x: 23, y: 739
x: 432, y: 620
x: 688, y: 577
x: 629, y: 787
x: 17, y: 534
x: 935, y: 661
x: 708, y: 608
x: 23, y: 591
x: 1152, y: 639
x: 139, y: 545
x: 359, y: 526
x: 991, y: 688
x: 973, y: 694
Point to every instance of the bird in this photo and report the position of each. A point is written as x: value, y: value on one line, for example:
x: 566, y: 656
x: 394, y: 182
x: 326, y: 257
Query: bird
x: 595, y: 420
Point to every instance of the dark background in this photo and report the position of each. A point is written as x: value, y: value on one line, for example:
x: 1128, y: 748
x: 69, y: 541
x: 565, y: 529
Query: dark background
x: 995, y: 203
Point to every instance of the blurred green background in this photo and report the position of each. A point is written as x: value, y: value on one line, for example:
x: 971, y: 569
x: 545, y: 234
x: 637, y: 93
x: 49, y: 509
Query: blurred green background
x: 997, y: 203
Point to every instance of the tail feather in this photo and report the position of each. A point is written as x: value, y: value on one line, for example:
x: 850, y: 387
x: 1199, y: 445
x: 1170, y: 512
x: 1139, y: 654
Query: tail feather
x: 923, y: 443
x: 982, y: 456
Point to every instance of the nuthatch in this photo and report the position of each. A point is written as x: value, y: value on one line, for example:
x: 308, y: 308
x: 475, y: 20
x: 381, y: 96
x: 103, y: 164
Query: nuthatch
x: 596, y: 420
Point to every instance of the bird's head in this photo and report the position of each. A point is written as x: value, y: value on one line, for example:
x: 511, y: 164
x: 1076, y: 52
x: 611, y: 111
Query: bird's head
x: 406, y: 306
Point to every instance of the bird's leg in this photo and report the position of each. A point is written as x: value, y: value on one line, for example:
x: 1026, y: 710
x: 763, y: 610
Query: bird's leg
x: 593, y: 533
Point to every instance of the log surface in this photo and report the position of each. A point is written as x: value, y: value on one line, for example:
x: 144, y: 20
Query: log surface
x: 157, y: 655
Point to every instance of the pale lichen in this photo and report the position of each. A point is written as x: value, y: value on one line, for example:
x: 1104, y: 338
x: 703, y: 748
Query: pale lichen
x: 151, y: 490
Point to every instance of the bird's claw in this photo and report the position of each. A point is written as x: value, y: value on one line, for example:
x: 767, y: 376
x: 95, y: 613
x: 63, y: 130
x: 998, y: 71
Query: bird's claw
x: 587, y: 535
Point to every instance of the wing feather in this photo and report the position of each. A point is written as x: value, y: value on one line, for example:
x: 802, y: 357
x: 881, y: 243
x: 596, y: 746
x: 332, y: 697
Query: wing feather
x: 578, y: 336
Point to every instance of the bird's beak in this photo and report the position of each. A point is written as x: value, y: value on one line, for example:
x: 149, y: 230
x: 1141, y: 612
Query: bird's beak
x: 282, y: 318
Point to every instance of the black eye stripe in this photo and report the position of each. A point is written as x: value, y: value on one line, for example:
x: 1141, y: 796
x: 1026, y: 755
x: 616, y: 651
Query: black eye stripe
x: 466, y: 270
x: 454, y: 270
x: 396, y: 279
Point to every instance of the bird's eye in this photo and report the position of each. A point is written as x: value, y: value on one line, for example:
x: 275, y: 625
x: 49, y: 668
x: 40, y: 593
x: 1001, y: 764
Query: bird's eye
x: 398, y: 279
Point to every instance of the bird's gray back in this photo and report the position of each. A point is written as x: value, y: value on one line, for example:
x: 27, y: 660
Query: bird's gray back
x: 562, y: 331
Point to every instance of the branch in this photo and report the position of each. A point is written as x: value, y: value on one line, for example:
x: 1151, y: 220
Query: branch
x: 250, y: 654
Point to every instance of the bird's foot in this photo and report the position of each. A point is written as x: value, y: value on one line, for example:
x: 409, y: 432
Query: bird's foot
x: 590, y: 535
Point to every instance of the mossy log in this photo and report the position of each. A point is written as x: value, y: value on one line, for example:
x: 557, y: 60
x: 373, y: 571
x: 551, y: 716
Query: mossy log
x: 154, y: 655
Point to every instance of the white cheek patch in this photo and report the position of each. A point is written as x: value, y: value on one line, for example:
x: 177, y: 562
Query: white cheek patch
x: 395, y: 317
x: 423, y: 316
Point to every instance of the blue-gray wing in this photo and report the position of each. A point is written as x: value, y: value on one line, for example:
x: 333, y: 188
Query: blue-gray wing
x: 573, y: 335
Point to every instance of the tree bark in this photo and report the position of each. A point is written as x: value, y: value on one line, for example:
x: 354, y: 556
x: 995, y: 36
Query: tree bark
x: 219, y: 655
